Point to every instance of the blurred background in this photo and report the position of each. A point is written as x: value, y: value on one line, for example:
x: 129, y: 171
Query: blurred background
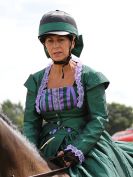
x: 107, y: 31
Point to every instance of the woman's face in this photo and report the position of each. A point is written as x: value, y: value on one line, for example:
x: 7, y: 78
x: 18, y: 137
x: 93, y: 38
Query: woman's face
x: 58, y: 46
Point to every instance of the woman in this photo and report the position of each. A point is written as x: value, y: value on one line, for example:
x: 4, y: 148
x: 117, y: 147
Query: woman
x: 66, y: 112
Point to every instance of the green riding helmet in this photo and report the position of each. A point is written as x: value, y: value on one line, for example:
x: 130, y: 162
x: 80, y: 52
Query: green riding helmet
x: 60, y: 23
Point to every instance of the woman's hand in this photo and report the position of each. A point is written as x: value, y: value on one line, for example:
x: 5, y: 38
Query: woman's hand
x: 69, y: 158
x: 61, y: 154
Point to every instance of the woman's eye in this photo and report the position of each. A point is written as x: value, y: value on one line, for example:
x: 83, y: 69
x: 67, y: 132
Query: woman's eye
x: 62, y: 39
x: 49, y: 40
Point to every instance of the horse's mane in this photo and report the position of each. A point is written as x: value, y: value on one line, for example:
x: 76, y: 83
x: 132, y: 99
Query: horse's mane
x: 14, y: 129
x: 7, y: 120
x: 17, y: 141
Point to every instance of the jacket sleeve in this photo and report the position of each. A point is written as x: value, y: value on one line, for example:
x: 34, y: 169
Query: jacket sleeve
x: 32, y: 120
x: 95, y: 84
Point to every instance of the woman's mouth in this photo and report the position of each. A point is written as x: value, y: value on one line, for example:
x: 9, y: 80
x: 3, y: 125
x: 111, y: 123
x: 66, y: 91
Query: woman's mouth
x: 56, y: 54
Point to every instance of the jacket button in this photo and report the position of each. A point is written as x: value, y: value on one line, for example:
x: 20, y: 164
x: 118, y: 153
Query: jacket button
x: 58, y: 123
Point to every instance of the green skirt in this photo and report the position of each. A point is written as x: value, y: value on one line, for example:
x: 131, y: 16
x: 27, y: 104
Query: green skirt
x: 106, y: 158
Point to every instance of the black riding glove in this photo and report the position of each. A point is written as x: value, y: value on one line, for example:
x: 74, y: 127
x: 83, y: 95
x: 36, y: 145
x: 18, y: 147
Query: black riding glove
x: 70, y: 157
x: 63, y: 160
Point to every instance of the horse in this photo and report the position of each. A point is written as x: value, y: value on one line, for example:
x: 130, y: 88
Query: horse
x: 19, y: 157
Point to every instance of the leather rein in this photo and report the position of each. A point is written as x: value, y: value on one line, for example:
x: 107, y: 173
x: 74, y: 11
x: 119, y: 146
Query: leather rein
x: 51, y: 173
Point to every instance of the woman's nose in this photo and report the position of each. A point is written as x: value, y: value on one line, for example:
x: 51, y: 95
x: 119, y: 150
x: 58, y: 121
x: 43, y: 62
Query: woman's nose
x: 55, y: 44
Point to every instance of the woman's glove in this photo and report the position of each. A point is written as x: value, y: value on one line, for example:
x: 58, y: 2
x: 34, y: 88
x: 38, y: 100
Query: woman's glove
x: 69, y: 157
x: 66, y: 159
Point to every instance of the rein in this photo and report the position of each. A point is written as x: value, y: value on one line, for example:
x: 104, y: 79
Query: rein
x: 51, y: 173
x: 54, y: 172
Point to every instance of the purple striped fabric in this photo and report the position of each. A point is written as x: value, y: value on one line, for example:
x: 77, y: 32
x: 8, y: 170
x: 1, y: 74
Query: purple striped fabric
x: 50, y: 100
x: 68, y: 97
x: 61, y: 99
x: 74, y: 96
x: 55, y: 98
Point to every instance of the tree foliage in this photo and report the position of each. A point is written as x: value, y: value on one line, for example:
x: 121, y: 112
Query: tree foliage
x: 14, y: 111
x: 120, y: 117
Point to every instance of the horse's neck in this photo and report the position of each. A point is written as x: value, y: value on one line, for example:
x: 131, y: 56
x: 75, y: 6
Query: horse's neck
x: 16, y: 154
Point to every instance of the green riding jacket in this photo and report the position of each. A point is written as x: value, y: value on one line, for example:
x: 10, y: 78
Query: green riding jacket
x: 103, y: 157
x: 94, y: 84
